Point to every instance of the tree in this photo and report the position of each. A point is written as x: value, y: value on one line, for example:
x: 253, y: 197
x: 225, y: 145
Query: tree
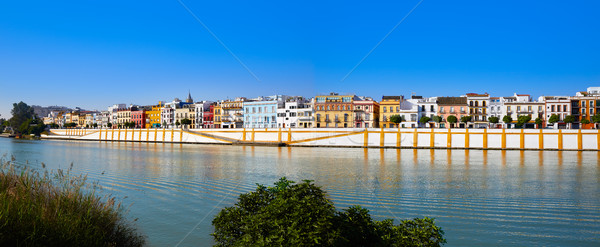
x: 424, y: 120
x: 507, y: 120
x: 177, y: 123
x: 595, y: 119
x: 553, y: 119
x: 397, y: 119
x: 32, y: 126
x: 538, y: 122
x: 290, y: 214
x: 21, y: 112
x: 465, y: 119
x: 437, y: 119
x: 569, y: 120
x: 109, y: 125
x: 585, y: 121
x: 186, y: 122
x: 523, y: 119
x: 95, y: 125
x: 53, y: 126
x: 494, y: 120
x: 3, y: 124
x: 452, y: 119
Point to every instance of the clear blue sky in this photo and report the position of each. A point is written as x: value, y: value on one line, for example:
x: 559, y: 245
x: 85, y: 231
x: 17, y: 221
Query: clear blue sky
x: 93, y: 54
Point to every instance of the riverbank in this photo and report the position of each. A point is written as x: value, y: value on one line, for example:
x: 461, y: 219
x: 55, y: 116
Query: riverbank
x: 492, y: 139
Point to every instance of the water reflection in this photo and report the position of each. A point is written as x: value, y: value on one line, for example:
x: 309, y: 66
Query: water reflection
x: 479, y: 197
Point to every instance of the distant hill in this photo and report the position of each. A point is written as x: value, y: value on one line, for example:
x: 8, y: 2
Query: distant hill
x: 43, y: 111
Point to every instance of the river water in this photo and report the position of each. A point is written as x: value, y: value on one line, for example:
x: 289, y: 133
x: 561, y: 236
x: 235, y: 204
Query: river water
x: 491, y: 198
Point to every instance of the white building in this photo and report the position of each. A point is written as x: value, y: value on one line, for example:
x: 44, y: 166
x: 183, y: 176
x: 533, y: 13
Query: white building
x: 523, y: 105
x: 262, y: 112
x: 409, y: 111
x: 296, y: 112
x: 114, y: 110
x: 427, y: 108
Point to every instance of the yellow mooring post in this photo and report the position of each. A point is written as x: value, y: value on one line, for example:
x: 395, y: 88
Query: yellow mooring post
x: 432, y: 139
x: 449, y: 138
x: 485, y: 139
x: 541, y: 139
x: 398, y: 138
x: 560, y: 139
x: 522, y: 139
x: 415, y: 138
x: 381, y: 138
x: 467, y: 144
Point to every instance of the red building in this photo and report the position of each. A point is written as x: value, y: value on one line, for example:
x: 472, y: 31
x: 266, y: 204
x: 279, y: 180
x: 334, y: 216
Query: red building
x: 208, y: 118
x: 139, y: 118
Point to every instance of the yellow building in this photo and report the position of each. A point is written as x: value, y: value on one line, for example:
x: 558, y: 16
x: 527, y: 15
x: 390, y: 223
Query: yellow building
x: 230, y: 114
x: 334, y: 111
x: 218, y: 115
x: 389, y: 106
x: 75, y: 118
x: 153, y: 116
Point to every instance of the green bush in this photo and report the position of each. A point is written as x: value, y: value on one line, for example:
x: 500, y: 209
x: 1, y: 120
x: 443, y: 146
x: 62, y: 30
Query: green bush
x: 290, y: 214
x: 57, y: 209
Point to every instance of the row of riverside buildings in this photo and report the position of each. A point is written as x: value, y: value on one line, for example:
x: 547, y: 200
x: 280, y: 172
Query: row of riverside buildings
x: 343, y: 111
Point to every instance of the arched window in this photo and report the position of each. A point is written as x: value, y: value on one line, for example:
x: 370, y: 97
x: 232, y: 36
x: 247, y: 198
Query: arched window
x: 483, y: 103
x: 476, y: 103
x: 470, y: 103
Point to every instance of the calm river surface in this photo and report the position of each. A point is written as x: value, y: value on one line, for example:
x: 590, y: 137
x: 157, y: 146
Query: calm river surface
x: 491, y: 198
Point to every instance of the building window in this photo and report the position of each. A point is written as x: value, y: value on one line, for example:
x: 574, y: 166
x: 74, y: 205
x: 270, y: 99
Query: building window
x: 384, y: 109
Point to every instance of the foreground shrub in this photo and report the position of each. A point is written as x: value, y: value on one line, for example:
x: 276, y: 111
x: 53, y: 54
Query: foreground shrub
x: 56, y: 209
x: 290, y: 214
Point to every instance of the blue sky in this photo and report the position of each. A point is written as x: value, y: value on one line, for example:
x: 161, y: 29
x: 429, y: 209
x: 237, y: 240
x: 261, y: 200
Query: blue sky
x: 92, y: 54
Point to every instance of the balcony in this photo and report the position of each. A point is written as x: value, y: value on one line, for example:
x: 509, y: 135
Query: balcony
x: 525, y: 112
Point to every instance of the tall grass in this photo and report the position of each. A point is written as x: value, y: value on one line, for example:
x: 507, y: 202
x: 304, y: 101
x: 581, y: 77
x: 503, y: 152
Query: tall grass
x: 58, y: 209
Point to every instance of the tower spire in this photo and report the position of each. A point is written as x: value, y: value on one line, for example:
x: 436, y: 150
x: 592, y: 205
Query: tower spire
x: 189, y: 98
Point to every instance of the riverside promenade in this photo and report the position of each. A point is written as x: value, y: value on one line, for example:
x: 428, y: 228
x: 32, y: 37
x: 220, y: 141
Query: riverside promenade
x: 488, y: 139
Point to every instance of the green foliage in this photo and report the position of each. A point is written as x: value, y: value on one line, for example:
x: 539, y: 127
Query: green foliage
x: 521, y: 120
x: 95, y: 125
x: 186, y: 121
x: 452, y: 119
x: 32, y: 126
x: 585, y: 121
x: 21, y: 112
x: 109, y: 125
x: 57, y: 209
x: 539, y: 122
x: 53, y: 126
x: 177, y: 123
x: 424, y: 119
x: 396, y: 119
x: 493, y: 120
x: 465, y: 119
x: 70, y: 125
x: 290, y: 214
x: 507, y: 119
x: 595, y: 118
x: 437, y: 119
x: 553, y: 119
x: 569, y: 119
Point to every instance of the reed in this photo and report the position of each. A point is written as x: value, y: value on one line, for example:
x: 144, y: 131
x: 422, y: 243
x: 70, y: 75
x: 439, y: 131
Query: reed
x: 55, y: 208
